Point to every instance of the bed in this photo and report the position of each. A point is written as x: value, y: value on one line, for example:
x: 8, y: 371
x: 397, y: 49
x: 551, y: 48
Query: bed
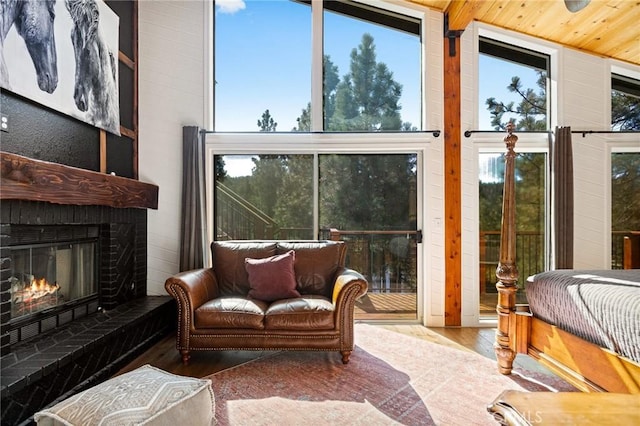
x: 582, y: 325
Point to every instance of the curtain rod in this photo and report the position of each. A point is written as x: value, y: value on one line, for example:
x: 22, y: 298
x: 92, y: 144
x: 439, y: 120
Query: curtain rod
x: 583, y: 132
x: 436, y: 133
x: 468, y: 133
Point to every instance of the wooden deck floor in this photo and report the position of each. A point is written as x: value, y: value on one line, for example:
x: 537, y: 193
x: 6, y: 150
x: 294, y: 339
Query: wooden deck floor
x: 386, y: 306
x: 402, y: 306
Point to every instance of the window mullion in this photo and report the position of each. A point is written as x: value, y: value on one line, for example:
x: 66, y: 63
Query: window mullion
x: 317, y: 89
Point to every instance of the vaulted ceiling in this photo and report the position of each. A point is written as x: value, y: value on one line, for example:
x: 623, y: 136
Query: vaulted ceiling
x: 608, y: 28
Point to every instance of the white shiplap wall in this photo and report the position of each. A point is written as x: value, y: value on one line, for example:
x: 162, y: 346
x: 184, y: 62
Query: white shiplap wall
x: 171, y: 84
x: 433, y: 200
x: 583, y: 106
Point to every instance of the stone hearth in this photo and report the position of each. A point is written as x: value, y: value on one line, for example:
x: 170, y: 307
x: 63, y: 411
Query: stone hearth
x: 43, y: 371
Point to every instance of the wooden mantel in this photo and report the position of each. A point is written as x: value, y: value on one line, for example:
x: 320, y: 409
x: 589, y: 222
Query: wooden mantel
x: 25, y: 178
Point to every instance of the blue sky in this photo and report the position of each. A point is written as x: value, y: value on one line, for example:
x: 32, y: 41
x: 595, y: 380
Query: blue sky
x: 263, y: 61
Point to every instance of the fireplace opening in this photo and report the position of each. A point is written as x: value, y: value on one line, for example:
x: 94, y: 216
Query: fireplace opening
x: 48, y: 275
x: 54, y: 276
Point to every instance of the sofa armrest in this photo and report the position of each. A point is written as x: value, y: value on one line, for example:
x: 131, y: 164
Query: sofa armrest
x: 190, y: 289
x: 349, y: 284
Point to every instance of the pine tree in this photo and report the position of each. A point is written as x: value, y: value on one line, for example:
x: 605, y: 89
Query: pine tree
x: 267, y: 123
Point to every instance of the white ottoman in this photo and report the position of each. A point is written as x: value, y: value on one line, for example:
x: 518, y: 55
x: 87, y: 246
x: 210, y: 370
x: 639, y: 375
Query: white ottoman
x: 145, y: 396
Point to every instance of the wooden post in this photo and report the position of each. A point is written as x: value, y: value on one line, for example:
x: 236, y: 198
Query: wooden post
x: 452, y: 181
x: 507, y: 271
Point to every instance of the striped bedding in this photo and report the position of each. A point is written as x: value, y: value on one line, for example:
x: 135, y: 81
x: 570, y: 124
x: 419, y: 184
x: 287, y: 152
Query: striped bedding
x: 600, y: 306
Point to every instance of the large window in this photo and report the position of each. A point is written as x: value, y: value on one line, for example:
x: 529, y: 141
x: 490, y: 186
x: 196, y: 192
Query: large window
x: 264, y: 197
x: 531, y: 211
x: 371, y: 70
x: 344, y: 80
x: 369, y: 201
x: 264, y: 61
x: 625, y: 165
x: 625, y: 201
x: 625, y: 103
x: 513, y: 86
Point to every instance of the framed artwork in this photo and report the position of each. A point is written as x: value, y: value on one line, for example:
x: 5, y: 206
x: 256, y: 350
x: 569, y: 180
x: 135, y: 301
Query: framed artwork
x: 64, y: 55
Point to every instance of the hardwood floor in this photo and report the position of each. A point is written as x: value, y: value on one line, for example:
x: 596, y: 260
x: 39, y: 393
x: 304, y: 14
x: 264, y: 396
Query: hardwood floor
x: 165, y: 356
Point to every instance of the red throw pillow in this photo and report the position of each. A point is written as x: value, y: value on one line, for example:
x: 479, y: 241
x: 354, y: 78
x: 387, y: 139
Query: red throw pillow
x: 272, y: 278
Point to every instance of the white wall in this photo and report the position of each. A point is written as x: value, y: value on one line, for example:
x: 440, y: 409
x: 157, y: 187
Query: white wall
x: 171, y: 84
x: 585, y: 87
x: 433, y: 200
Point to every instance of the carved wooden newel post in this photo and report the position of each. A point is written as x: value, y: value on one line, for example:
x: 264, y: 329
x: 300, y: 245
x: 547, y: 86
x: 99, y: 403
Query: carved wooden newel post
x: 507, y: 271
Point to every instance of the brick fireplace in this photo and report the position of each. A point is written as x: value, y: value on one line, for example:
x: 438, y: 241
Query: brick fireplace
x: 51, y: 353
x: 121, y: 267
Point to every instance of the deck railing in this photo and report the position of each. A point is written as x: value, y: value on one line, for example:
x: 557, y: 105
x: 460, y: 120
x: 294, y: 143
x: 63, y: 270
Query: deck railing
x: 237, y: 219
x: 530, y: 260
x: 387, y: 258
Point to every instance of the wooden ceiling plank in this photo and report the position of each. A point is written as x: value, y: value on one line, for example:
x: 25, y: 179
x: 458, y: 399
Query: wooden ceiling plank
x: 440, y: 5
x: 607, y: 28
x: 610, y: 32
x: 492, y: 13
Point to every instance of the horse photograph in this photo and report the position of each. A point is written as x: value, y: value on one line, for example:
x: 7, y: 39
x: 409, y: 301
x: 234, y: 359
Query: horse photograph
x: 63, y: 54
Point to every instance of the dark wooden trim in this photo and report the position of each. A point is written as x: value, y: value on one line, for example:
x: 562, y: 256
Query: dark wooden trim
x: 135, y: 91
x: 132, y: 134
x: 25, y: 178
x: 125, y: 60
x: 103, y: 151
x: 452, y: 186
x: 128, y: 133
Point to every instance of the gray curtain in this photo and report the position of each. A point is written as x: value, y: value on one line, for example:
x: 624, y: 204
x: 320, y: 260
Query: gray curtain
x: 562, y: 166
x: 193, y: 235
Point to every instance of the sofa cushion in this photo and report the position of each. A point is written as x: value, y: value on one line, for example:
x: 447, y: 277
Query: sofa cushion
x: 305, y: 313
x: 231, y: 312
x: 228, y: 263
x: 272, y: 278
x: 317, y: 263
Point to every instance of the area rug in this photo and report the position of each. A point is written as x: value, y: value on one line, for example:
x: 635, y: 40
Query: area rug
x: 391, y: 379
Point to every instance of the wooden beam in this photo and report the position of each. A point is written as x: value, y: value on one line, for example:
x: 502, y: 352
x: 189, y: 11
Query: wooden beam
x: 452, y: 185
x: 24, y: 178
x: 461, y: 13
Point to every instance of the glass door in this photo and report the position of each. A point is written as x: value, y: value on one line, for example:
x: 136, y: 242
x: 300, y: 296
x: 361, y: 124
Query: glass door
x: 367, y: 200
x: 530, y: 227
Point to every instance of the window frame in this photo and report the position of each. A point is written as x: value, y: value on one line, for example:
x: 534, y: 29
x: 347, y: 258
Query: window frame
x: 624, y: 73
x: 490, y: 141
x: 528, y: 43
x: 425, y: 143
x: 389, y: 13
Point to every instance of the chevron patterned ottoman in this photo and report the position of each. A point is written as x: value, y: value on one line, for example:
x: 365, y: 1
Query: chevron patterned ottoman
x: 145, y: 396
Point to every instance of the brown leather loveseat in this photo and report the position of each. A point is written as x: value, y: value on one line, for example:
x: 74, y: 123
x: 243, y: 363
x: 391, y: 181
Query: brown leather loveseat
x: 257, y: 306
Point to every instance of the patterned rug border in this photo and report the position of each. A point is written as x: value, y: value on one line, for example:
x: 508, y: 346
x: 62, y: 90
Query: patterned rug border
x: 381, y: 385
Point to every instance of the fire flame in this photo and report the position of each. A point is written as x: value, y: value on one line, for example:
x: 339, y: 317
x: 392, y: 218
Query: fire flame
x: 40, y: 287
